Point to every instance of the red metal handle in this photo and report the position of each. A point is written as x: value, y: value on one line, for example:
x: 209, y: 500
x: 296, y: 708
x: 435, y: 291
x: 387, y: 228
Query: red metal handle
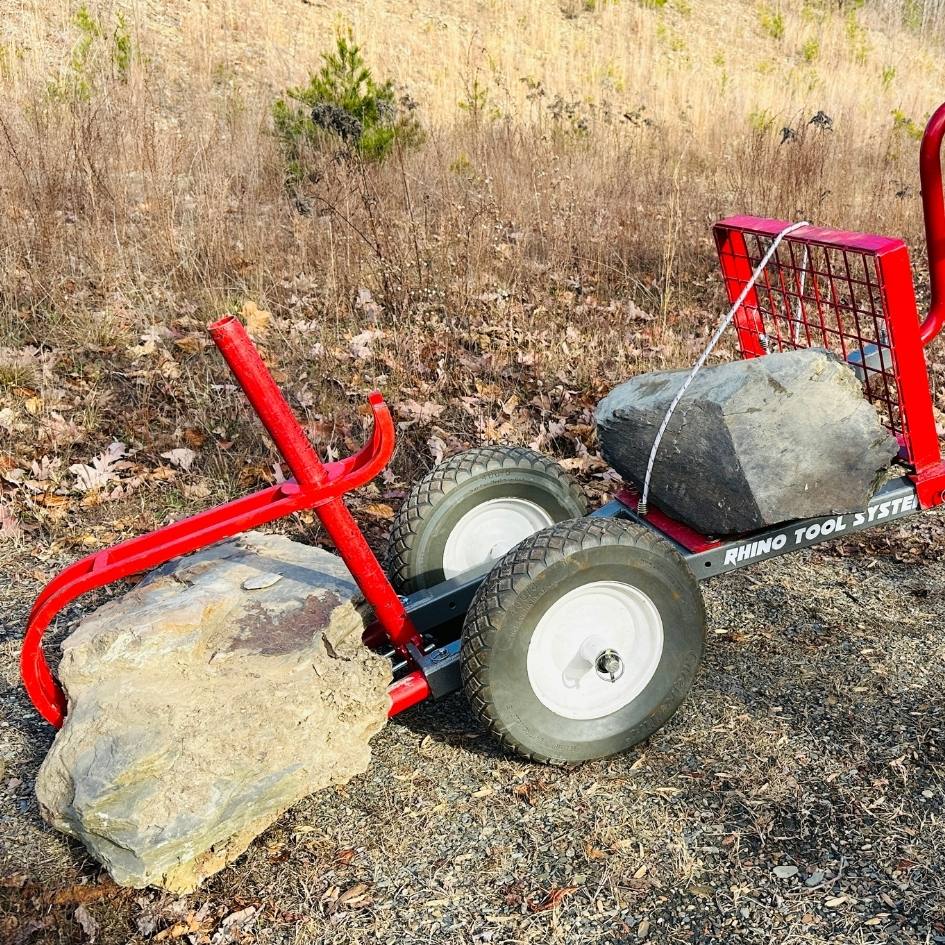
x: 316, y: 486
x: 263, y: 393
x: 933, y: 207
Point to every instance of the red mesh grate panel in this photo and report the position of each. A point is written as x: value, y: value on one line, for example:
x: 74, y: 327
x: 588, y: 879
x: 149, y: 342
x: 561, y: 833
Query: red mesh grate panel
x: 850, y: 293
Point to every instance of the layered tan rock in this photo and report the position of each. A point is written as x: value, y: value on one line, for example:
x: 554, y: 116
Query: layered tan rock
x: 204, y: 702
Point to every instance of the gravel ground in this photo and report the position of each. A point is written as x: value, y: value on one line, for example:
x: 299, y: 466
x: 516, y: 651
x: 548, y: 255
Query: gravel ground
x: 797, y: 797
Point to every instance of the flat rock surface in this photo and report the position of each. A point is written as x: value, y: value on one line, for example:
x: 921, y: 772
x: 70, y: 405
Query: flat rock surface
x: 204, y: 702
x: 752, y: 443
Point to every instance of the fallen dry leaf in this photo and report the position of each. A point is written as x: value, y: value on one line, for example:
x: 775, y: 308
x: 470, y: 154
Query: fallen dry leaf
x: 180, y: 929
x: 233, y: 926
x: 360, y: 344
x: 437, y: 448
x: 257, y: 319
x: 150, y: 339
x: 182, y: 457
x: 420, y: 413
x: 60, y: 431
x: 525, y: 791
x: 101, y: 471
x: 191, y: 343
x: 364, y: 302
x: 10, y: 527
x: 553, y: 899
x: 594, y: 853
x: 357, y: 897
x: 378, y: 510
x: 197, y: 490
x: 81, y: 893
x: 86, y: 922
x: 194, y: 438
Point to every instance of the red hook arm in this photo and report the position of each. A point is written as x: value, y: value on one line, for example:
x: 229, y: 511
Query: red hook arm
x: 316, y: 486
x: 933, y: 207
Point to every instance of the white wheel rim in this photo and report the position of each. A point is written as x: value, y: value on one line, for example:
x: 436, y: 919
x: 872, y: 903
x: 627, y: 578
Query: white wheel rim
x: 597, y: 617
x: 489, y: 530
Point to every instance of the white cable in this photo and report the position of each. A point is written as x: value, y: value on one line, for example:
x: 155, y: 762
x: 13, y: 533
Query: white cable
x: 713, y: 341
x: 798, y: 309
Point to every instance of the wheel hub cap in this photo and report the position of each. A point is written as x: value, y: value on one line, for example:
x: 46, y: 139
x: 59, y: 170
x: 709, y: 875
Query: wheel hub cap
x: 488, y: 531
x: 609, y: 665
x: 582, y: 674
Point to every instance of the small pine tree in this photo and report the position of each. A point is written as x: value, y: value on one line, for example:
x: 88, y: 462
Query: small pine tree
x: 343, y: 101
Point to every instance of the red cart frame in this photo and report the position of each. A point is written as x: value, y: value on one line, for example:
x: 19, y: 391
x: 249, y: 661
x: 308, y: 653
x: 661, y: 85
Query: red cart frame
x: 851, y: 293
x: 315, y: 485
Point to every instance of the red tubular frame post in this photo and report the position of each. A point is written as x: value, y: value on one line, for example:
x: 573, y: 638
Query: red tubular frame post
x: 267, y: 400
x: 316, y: 486
x: 408, y: 691
x: 933, y: 208
x: 730, y: 245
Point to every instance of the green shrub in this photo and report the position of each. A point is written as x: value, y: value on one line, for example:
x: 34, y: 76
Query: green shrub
x: 122, y: 51
x: 810, y: 50
x: 913, y: 14
x: 903, y: 124
x: 475, y: 99
x: 670, y: 38
x: 98, y: 55
x: 9, y: 53
x: 343, y: 102
x: 857, y: 37
x: 772, y: 22
x: 761, y: 121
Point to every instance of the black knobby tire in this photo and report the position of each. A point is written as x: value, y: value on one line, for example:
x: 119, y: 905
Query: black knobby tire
x: 438, y: 501
x: 520, y: 589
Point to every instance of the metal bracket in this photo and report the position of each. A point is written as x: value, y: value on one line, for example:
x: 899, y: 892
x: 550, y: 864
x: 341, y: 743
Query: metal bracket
x: 873, y: 359
x: 448, y: 600
x: 440, y: 667
x: 894, y: 500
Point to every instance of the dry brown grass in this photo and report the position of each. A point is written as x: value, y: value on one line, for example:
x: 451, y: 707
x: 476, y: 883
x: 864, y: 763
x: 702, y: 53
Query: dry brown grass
x: 171, y: 180
x: 549, y: 237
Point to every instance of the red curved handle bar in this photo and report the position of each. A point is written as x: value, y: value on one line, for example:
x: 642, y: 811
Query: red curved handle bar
x: 933, y: 207
x: 315, y: 486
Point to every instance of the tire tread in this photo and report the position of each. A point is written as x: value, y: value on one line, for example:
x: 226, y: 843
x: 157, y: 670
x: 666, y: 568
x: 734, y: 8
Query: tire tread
x: 510, y: 577
x: 441, y: 480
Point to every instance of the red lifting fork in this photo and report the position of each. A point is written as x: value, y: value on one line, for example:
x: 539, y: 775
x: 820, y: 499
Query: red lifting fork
x: 315, y: 486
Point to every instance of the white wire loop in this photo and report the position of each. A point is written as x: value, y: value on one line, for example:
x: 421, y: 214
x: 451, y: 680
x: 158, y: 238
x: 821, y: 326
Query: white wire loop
x: 713, y: 341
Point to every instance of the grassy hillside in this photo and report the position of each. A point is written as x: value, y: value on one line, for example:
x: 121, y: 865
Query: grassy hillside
x: 548, y: 236
x: 710, y: 59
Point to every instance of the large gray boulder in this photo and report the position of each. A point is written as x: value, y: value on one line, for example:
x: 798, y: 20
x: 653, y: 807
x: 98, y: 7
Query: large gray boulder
x: 752, y: 443
x: 222, y: 689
